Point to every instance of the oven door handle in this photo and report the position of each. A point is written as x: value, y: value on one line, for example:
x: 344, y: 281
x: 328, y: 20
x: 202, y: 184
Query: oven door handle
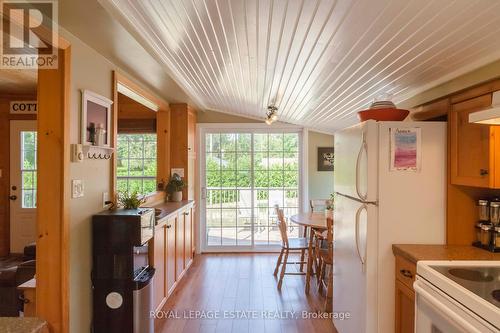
x: 443, y: 309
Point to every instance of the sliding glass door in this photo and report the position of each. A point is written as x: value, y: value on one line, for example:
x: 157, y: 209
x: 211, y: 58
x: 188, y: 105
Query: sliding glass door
x: 244, y: 174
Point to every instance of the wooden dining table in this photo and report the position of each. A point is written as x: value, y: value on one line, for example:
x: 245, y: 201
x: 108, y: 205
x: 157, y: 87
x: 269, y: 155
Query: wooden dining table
x: 310, y: 221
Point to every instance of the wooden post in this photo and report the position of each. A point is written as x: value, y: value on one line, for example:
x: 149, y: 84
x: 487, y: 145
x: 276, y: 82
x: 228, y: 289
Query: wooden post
x: 52, y: 257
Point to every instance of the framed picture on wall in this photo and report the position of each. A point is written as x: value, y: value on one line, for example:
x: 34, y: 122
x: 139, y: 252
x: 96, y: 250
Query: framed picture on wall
x: 325, y: 158
x: 95, y: 119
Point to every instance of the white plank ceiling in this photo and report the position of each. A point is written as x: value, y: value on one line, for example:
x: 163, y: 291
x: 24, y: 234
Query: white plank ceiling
x: 318, y: 61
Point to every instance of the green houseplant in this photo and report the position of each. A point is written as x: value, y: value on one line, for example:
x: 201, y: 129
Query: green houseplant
x: 175, y: 186
x: 130, y: 200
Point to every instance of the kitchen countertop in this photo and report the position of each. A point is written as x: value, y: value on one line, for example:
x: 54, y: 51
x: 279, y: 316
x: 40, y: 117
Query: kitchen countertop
x: 23, y: 325
x: 417, y: 252
x: 169, y: 208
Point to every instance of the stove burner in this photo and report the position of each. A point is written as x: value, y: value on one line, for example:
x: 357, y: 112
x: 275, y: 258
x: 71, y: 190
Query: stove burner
x: 496, y: 294
x: 470, y: 275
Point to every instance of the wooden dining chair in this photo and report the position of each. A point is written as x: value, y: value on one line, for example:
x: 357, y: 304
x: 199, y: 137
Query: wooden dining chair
x: 287, y: 245
x: 325, y: 254
x: 318, y: 205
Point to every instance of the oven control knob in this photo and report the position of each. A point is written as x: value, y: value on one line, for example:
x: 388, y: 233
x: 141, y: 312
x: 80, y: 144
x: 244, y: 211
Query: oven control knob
x: 114, y: 300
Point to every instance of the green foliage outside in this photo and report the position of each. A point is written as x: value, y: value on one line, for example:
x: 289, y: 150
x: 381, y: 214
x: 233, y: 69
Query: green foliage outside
x: 230, y: 163
x: 136, y: 163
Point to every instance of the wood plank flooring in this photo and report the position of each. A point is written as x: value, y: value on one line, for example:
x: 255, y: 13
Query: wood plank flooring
x: 241, y: 290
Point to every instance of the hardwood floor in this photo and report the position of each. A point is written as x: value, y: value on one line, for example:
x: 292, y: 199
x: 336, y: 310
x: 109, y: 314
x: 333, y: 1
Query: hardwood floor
x: 241, y: 285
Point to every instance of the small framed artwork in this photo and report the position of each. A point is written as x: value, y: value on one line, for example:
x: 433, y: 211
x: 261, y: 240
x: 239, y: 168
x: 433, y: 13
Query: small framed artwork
x: 325, y: 158
x: 95, y: 119
x: 406, y: 152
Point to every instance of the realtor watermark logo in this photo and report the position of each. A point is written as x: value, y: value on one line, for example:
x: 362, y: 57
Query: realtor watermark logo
x: 29, y: 34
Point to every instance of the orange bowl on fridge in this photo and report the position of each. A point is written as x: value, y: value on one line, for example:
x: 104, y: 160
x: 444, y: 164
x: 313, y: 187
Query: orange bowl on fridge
x: 383, y: 114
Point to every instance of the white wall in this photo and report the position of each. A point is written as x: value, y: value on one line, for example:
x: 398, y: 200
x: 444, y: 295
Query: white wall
x: 320, y: 182
x: 90, y: 71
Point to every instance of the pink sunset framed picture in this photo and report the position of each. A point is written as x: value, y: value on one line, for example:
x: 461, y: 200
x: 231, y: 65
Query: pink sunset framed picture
x: 405, y: 149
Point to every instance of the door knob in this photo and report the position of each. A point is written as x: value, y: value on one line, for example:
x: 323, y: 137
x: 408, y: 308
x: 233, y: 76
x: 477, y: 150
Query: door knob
x: 13, y: 197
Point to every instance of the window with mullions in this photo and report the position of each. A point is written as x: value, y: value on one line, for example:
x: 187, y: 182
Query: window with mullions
x: 246, y: 175
x: 136, y: 163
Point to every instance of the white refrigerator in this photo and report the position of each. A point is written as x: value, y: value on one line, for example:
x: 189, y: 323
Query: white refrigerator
x: 378, y: 204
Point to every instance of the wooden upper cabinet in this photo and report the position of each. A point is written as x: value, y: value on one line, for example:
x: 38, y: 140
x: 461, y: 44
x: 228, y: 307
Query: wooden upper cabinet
x: 431, y: 111
x: 473, y: 147
x: 183, y: 144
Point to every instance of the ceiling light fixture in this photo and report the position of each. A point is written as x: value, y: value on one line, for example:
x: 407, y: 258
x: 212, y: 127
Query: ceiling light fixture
x: 271, y: 114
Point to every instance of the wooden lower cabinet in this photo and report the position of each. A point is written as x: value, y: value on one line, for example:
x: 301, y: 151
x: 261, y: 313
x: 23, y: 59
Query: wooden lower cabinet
x: 179, y: 248
x: 170, y: 255
x: 171, y: 252
x: 405, y: 296
x: 405, y: 308
x: 159, y: 265
x: 188, y: 236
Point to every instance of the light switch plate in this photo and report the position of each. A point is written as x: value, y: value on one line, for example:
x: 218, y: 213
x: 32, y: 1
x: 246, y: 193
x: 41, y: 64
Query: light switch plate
x: 179, y: 171
x: 105, y: 197
x: 77, y: 190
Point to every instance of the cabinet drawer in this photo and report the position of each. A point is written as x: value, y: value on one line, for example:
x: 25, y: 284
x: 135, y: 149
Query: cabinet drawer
x: 405, y: 271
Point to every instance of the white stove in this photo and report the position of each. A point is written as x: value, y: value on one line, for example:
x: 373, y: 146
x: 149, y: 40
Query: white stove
x: 457, y: 297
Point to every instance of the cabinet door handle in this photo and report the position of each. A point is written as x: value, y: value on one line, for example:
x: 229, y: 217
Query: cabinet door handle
x: 169, y: 226
x: 406, y: 273
x: 483, y: 172
x: 186, y: 213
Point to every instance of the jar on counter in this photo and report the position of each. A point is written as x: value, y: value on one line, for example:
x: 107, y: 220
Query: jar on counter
x: 486, y: 235
x: 477, y: 228
x: 495, y: 213
x: 496, y: 238
x: 483, y: 210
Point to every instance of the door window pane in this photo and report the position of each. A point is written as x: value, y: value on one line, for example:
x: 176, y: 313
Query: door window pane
x: 246, y: 175
x: 28, y: 169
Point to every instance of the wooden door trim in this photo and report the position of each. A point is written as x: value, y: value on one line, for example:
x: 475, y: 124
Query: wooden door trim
x: 52, y: 255
x: 162, y: 131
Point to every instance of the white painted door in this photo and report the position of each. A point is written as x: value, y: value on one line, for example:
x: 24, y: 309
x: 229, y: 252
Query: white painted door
x: 23, y: 183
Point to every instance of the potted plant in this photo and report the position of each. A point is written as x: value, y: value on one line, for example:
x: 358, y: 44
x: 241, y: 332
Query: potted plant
x: 329, y: 206
x: 130, y: 200
x: 175, y: 186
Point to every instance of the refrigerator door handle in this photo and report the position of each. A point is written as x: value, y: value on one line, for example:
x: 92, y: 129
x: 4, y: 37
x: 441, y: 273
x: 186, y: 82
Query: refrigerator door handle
x: 362, y: 149
x: 362, y: 258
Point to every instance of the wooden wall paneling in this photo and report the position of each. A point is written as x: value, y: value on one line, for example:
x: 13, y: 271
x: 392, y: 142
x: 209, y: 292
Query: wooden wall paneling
x: 163, y: 144
x: 52, y: 262
x: 178, y: 137
x: 183, y: 147
x: 114, y: 137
